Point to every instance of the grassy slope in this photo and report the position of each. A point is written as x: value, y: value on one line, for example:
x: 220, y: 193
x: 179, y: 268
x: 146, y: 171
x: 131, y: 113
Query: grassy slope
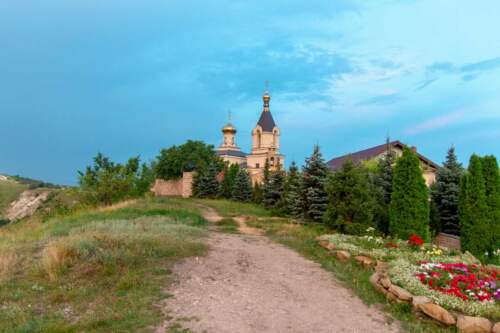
x: 9, y: 191
x: 302, y: 239
x: 94, y: 271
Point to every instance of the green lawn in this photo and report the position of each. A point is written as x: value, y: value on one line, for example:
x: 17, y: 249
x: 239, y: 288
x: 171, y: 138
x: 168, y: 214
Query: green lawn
x: 95, y: 270
x: 9, y: 191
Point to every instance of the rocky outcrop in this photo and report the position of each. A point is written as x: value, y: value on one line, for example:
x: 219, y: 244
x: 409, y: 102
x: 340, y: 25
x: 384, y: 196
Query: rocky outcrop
x: 27, y: 204
x: 438, y: 313
x: 343, y: 255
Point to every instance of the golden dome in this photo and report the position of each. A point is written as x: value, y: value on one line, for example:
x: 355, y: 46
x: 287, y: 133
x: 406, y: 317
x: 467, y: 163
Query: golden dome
x: 229, y: 128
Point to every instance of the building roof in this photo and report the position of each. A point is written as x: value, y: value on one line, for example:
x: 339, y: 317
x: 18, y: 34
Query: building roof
x: 266, y: 121
x: 370, y: 153
x: 230, y: 152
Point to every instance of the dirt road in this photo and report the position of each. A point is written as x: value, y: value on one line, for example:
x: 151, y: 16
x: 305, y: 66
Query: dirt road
x: 247, y: 283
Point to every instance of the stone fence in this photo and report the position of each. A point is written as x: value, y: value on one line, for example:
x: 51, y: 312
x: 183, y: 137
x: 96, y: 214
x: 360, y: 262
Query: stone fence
x: 181, y: 187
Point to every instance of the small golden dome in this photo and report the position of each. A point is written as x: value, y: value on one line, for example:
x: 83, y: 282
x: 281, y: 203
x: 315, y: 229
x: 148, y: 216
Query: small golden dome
x: 229, y: 128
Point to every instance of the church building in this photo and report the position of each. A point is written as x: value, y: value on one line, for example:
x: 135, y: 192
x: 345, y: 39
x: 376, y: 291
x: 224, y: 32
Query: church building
x: 265, y: 145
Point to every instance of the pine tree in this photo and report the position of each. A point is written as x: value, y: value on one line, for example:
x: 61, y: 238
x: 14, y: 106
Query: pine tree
x: 205, y: 184
x: 257, y: 193
x: 445, y: 193
x: 474, y: 210
x: 242, y: 189
x: 409, y: 208
x: 314, y: 174
x: 226, y: 187
x: 351, y: 203
x: 383, y: 188
x: 274, y: 190
x: 293, y: 195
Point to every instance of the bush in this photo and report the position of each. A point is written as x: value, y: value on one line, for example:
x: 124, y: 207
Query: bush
x: 409, y: 208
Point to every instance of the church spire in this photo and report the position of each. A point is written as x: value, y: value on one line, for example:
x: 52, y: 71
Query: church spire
x: 266, y: 98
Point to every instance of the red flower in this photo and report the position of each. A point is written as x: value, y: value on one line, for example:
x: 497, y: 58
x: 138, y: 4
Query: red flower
x: 414, y: 240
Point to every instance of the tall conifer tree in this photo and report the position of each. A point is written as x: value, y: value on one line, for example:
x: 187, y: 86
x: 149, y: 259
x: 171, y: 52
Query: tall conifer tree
x: 492, y: 192
x: 383, y: 187
x: 294, y: 202
x: 242, y: 189
x: 230, y: 173
x: 314, y: 174
x: 409, y: 208
x: 445, y: 194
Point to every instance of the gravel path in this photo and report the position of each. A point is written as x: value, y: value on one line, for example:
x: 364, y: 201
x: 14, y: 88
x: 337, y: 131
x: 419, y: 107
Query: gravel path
x: 247, y: 283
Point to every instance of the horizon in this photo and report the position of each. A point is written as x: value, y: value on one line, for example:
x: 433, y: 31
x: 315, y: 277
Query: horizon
x: 127, y: 78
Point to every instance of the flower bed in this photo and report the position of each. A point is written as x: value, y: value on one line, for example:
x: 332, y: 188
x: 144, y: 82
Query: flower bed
x: 468, y: 282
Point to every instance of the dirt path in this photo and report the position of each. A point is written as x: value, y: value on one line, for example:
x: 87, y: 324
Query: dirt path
x: 248, y: 284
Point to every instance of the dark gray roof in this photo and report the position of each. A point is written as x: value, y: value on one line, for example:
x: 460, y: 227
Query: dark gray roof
x: 370, y: 153
x: 266, y: 121
x: 230, y: 152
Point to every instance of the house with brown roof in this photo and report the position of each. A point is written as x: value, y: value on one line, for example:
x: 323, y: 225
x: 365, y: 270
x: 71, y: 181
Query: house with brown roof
x: 429, y: 168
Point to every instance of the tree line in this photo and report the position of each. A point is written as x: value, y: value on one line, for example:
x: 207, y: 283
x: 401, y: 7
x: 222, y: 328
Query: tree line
x: 390, y: 195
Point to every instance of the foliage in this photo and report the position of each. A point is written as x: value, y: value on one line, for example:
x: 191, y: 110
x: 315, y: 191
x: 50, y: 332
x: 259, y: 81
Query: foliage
x: 350, y: 199
x: 409, y: 208
x: 107, y: 182
x: 383, y: 188
x: 34, y: 183
x: 257, y: 193
x: 227, y: 184
x: 242, y: 189
x: 492, y: 190
x: 205, y: 183
x: 445, y: 194
x: 293, y: 196
x: 273, y: 190
x: 474, y: 223
x: 190, y: 156
x: 314, y: 175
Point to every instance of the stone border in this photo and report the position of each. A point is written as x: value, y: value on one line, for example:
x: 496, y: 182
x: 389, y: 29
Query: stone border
x: 420, y: 304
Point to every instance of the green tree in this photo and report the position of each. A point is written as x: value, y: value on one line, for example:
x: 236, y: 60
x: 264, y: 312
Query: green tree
x: 383, y: 188
x: 230, y: 173
x: 190, y: 156
x: 409, y: 208
x: 257, y: 193
x: 274, y: 189
x: 242, y: 189
x: 293, y: 194
x: 474, y: 223
x: 314, y: 174
x: 445, y: 193
x: 107, y: 182
x: 205, y: 183
x: 351, y: 202
x: 492, y: 191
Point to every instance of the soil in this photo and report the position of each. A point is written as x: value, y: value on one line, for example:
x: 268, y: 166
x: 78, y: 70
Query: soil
x: 247, y: 283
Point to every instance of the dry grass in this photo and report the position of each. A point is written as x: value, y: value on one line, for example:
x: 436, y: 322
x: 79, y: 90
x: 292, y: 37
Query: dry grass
x: 8, y: 261
x: 118, y: 205
x: 54, y: 257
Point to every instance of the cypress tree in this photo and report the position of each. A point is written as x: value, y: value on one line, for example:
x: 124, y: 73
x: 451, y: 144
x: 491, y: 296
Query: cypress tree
x: 383, y: 188
x: 242, y: 189
x: 474, y: 210
x: 351, y: 202
x: 294, y: 202
x: 314, y: 174
x: 492, y: 191
x: 226, y: 187
x: 445, y: 193
x: 409, y: 208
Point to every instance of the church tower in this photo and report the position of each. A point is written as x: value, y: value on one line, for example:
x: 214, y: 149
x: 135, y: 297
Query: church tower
x: 228, y: 150
x: 265, y: 144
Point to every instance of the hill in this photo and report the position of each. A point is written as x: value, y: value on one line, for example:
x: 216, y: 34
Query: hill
x: 10, y: 190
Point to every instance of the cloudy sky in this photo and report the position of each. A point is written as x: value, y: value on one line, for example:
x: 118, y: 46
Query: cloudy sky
x: 128, y: 77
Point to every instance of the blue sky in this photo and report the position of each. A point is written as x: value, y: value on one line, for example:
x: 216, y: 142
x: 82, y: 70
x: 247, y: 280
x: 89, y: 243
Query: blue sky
x: 129, y: 77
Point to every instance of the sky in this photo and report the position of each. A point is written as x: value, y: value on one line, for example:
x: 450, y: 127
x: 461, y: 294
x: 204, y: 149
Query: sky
x: 127, y: 77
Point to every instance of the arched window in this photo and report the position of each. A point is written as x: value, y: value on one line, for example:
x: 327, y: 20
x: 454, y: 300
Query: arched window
x: 259, y: 138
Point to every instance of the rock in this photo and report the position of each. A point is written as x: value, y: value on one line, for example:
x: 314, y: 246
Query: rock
x: 496, y: 328
x: 385, y: 282
x: 467, y: 324
x: 327, y: 245
x: 401, y: 293
x: 391, y: 297
x: 364, y: 261
x: 375, y: 281
x: 417, y: 300
x: 438, y: 313
x: 26, y: 205
x: 343, y: 255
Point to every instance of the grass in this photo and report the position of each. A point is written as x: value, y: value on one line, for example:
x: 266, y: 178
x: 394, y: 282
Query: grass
x: 9, y: 191
x: 95, y: 270
x: 302, y: 238
x: 228, y: 225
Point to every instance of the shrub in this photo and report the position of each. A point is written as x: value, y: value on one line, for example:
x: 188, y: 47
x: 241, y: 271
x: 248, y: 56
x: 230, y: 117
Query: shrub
x: 409, y: 208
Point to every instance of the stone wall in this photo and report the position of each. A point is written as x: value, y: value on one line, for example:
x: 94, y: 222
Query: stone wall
x: 176, y: 187
x: 449, y: 241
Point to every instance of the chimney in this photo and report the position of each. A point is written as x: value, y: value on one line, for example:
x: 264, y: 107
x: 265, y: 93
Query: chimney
x: 413, y: 149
